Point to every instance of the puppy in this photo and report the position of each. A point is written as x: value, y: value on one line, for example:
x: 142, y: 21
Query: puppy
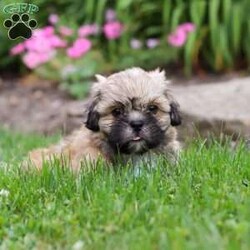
x: 131, y: 114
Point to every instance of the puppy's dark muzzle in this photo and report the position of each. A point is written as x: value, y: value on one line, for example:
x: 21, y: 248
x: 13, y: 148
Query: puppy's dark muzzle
x: 137, y: 125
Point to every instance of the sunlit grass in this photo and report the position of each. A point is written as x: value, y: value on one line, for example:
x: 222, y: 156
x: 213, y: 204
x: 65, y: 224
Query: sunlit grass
x: 203, y: 203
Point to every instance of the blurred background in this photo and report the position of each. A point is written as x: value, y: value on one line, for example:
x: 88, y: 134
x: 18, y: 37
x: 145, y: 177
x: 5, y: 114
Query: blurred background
x: 203, y: 45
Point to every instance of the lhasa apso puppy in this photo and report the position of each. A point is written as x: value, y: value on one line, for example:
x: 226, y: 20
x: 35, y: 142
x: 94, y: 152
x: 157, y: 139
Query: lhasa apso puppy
x: 131, y: 114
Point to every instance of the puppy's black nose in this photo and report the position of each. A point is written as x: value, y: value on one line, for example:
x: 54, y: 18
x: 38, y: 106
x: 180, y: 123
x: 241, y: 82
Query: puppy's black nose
x: 137, y: 125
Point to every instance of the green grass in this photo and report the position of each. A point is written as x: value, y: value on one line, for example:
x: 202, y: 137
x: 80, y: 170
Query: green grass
x: 204, y: 203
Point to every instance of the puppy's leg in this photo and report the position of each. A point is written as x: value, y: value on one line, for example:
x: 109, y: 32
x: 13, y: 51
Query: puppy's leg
x: 71, y: 151
x: 37, y: 157
x: 173, y: 147
x: 172, y: 151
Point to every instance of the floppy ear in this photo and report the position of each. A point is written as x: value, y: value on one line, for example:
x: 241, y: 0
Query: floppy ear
x: 175, y: 117
x: 92, y: 118
x: 92, y: 115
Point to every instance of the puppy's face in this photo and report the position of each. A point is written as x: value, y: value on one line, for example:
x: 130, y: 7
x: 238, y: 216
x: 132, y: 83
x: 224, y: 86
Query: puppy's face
x: 132, y: 109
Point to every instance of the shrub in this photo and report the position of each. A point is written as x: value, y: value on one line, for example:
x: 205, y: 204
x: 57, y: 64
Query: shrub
x: 73, y: 54
x: 148, y: 34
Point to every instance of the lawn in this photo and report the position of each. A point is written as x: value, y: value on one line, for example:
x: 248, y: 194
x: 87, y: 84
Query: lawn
x: 203, y: 203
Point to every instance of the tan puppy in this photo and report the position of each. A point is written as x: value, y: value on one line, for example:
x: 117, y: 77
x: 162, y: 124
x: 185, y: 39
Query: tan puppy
x: 131, y: 114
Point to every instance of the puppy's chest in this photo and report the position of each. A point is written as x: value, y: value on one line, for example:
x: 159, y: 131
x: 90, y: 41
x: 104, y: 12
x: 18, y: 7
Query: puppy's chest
x: 139, y: 163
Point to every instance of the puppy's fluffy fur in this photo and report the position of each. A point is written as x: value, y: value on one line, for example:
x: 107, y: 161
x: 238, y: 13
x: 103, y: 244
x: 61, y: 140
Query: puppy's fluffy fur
x: 131, y: 113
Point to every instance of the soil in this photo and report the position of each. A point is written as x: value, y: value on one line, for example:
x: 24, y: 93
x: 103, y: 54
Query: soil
x: 39, y: 107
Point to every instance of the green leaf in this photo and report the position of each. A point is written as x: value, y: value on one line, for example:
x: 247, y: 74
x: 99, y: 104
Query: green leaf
x: 188, y: 53
x: 213, y: 22
x: 177, y: 15
x: 197, y: 12
x: 236, y: 19
x: 100, y: 7
x: 167, y: 8
x: 246, y: 47
x: 123, y: 4
x: 227, y: 11
x: 78, y: 90
x: 153, y: 31
x: 224, y: 41
x: 89, y: 9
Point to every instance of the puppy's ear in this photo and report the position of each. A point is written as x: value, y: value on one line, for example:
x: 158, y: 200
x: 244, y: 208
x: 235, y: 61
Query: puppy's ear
x: 92, y: 119
x: 93, y: 116
x: 175, y: 117
x: 100, y: 78
x: 159, y: 75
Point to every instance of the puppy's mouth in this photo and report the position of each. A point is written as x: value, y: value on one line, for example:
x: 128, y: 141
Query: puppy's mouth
x: 135, y: 144
x: 136, y: 139
x: 126, y: 140
x: 137, y: 136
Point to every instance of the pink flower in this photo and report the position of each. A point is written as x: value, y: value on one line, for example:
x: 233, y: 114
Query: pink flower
x: 152, y: 43
x: 44, y: 40
x: 80, y: 47
x: 44, y: 32
x: 73, y: 52
x: 187, y: 27
x: 113, y: 30
x: 34, y: 59
x: 18, y: 49
x: 57, y: 42
x: 38, y: 44
x: 135, y: 43
x: 31, y: 60
x: 177, y: 38
x: 37, y: 33
x: 83, y: 43
x: 53, y: 18
x: 41, y: 47
x: 65, y: 31
x: 87, y: 30
x: 45, y: 57
x: 110, y: 15
x: 48, y: 31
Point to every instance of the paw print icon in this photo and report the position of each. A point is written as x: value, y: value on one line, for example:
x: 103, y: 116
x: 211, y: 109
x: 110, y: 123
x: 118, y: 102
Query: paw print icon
x: 20, y: 26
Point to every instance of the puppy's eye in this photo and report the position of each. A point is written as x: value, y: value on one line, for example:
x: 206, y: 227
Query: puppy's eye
x: 152, y: 108
x: 117, y: 111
